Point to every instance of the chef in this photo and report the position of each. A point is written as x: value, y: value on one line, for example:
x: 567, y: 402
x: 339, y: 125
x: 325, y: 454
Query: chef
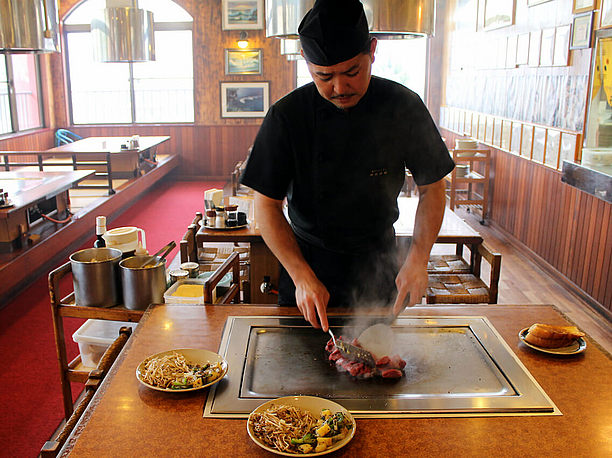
x: 337, y: 150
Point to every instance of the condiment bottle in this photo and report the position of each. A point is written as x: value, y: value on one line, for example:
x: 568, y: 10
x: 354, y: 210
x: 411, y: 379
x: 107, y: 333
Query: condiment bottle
x: 221, y: 216
x: 211, y: 217
x: 100, y: 230
x: 232, y: 215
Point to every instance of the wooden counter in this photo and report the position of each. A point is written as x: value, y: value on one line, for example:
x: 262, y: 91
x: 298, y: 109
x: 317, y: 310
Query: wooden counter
x: 127, y: 419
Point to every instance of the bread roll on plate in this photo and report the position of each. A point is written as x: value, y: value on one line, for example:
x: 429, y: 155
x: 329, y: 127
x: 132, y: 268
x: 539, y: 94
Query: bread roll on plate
x: 547, y: 336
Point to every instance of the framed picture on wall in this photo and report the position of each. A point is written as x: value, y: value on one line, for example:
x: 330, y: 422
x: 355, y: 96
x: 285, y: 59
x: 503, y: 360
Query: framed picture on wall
x: 580, y: 6
x: 535, y: 40
x: 242, y: 14
x: 547, y: 47
x: 245, y: 100
x: 605, y: 14
x: 562, y: 41
x: 582, y: 25
x: 243, y: 61
x: 498, y: 13
x: 522, y: 49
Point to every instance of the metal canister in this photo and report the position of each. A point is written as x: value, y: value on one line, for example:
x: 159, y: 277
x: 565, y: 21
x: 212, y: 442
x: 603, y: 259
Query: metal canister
x: 192, y: 267
x: 178, y: 274
x: 142, y: 286
x: 95, y: 276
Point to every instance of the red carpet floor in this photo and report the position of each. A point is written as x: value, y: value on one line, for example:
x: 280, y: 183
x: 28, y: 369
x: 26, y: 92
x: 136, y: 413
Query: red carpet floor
x: 30, y: 397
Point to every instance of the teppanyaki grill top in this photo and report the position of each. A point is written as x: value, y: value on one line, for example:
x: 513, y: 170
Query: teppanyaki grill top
x: 343, y: 170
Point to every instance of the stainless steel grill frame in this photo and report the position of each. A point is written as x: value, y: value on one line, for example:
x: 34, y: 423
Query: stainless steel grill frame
x: 257, y: 374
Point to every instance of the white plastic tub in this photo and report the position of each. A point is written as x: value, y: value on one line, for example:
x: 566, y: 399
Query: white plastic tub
x: 171, y: 296
x: 95, y: 336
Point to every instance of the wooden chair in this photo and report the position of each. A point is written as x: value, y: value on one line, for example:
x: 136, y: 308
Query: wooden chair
x: 74, y: 371
x: 215, y: 258
x: 52, y: 447
x: 466, y: 288
x: 231, y: 264
x: 187, y: 246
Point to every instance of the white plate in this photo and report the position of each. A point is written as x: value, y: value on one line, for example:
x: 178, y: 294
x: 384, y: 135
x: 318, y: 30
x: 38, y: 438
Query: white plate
x: 312, y: 404
x: 225, y: 228
x: 578, y: 346
x: 193, y: 356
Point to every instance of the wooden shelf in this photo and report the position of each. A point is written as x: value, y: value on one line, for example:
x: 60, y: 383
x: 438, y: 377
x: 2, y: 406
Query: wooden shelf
x: 471, y: 190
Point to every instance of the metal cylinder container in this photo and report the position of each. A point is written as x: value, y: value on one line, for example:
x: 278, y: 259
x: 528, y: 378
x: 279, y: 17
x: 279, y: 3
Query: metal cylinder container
x: 123, y: 35
x: 95, y: 276
x: 142, y: 286
x: 387, y: 19
x: 28, y: 26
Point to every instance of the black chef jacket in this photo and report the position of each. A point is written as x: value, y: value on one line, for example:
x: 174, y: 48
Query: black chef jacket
x: 342, y: 170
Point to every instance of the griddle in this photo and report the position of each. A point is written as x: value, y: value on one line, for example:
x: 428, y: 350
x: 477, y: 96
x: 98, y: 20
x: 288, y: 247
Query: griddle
x: 455, y: 366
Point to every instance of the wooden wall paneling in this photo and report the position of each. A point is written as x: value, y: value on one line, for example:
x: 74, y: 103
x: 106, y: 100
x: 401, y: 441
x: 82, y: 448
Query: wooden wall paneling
x: 590, y: 245
x: 595, y: 249
x: 556, y: 210
x: 571, y: 228
x: 607, y: 273
x: 550, y: 223
x: 568, y: 228
x: 560, y: 235
x: 580, y: 239
x: 600, y: 260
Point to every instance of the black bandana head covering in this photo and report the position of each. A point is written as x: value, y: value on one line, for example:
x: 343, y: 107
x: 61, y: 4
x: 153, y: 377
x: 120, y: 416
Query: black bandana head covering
x: 333, y: 31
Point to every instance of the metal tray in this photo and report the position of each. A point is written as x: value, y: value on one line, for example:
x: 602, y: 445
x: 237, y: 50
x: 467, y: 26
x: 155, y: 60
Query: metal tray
x: 455, y: 366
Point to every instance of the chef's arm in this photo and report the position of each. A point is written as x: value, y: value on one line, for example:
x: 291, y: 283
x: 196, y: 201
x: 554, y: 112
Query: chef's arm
x: 310, y: 294
x: 412, y: 277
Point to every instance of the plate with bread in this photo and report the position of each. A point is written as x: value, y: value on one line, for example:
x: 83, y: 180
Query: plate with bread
x: 555, y: 340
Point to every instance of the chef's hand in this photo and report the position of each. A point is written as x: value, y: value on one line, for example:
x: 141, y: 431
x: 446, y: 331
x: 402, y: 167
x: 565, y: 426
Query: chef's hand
x: 312, y: 298
x: 411, y: 282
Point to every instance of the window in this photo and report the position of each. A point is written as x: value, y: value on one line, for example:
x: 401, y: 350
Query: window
x: 404, y: 61
x: 20, y: 101
x: 141, y: 92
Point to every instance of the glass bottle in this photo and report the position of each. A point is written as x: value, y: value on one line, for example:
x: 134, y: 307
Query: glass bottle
x: 100, y: 230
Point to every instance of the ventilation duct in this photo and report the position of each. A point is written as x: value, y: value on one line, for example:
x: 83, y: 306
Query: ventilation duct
x: 387, y: 19
x: 28, y: 26
x: 123, y: 34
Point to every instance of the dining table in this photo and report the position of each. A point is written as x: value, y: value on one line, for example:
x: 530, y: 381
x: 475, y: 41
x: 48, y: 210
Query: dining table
x: 126, y: 418
x: 125, y: 156
x: 263, y: 263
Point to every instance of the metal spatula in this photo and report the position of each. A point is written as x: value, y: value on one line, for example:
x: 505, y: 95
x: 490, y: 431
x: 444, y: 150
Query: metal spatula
x: 353, y: 353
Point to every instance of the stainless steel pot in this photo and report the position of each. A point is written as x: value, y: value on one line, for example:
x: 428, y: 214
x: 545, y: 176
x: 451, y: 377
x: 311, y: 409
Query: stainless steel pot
x: 142, y: 286
x: 95, y: 276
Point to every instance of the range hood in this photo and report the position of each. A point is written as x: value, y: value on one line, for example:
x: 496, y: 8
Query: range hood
x: 387, y: 19
x: 123, y: 33
x: 28, y: 26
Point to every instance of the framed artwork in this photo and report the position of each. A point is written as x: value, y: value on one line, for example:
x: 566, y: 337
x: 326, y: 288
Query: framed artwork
x: 511, y: 51
x: 535, y: 40
x: 522, y: 49
x: 498, y: 13
x: 536, y: 2
x: 242, y: 14
x: 580, y: 6
x: 605, y: 14
x: 582, y: 25
x: 562, y: 42
x: 243, y: 61
x: 547, y: 47
x: 245, y: 100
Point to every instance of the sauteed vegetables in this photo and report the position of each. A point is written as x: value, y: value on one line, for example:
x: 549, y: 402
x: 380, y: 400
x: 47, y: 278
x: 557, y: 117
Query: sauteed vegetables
x: 175, y: 373
x: 290, y: 429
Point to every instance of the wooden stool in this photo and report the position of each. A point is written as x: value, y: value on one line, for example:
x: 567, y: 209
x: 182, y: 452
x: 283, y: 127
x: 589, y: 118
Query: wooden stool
x: 466, y: 288
x: 447, y: 264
